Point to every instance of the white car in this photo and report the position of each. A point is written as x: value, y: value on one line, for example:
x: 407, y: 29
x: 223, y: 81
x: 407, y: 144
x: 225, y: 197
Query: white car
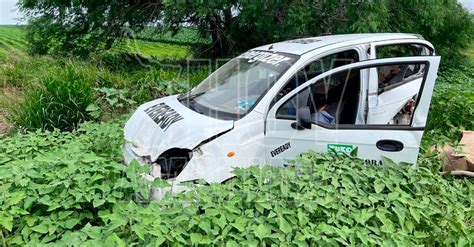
x: 331, y: 93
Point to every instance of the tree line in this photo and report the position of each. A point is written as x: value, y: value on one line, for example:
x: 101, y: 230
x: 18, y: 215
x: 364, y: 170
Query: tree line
x: 83, y: 27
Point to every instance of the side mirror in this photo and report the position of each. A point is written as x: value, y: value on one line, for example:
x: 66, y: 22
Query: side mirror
x: 303, y: 119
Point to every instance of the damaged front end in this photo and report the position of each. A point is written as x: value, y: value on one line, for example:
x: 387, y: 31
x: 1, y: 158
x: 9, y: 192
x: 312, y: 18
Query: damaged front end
x: 163, y: 134
x: 167, y: 167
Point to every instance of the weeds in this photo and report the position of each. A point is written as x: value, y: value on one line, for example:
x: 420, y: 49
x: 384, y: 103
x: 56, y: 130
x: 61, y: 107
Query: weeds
x: 23, y: 72
x: 452, y: 106
x: 111, y: 102
x: 58, y: 101
x: 53, y: 183
x: 71, y: 188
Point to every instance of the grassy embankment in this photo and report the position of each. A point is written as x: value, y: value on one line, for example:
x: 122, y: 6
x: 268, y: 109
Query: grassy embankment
x: 134, y: 71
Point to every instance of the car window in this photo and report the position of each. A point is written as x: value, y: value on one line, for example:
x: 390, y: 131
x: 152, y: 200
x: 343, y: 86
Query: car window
x: 392, y: 76
x: 402, y: 50
x: 318, y: 67
x: 234, y: 88
x: 335, y: 99
x: 332, y: 100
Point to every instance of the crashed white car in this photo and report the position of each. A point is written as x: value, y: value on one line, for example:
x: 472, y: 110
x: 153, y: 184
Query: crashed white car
x: 331, y: 93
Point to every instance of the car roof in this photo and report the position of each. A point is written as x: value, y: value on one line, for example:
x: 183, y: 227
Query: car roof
x: 304, y: 45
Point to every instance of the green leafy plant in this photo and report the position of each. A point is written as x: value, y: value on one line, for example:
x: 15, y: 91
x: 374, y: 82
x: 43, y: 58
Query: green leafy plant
x: 52, y: 182
x: 59, y: 100
x: 71, y: 188
x: 112, y: 101
x: 451, y: 107
x: 155, y: 83
x: 324, y: 201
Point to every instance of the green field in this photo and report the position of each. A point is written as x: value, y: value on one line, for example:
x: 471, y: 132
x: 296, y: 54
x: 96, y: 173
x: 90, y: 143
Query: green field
x: 12, y: 41
x: 153, y: 49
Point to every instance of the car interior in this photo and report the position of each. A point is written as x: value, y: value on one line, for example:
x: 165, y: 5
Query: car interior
x: 393, y: 76
x: 338, y: 95
x: 318, y: 67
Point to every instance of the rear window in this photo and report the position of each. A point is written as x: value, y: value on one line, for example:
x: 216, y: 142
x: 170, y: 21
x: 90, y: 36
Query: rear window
x: 402, y: 50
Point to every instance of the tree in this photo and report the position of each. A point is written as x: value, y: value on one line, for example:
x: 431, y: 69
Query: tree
x: 214, y: 18
x: 236, y: 25
x: 80, y: 27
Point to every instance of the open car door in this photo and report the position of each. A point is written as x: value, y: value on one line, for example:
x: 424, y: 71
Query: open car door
x: 345, y: 113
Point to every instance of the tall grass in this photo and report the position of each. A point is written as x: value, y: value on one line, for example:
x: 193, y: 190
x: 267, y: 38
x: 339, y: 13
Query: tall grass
x: 59, y: 100
x: 24, y: 72
x: 56, y: 93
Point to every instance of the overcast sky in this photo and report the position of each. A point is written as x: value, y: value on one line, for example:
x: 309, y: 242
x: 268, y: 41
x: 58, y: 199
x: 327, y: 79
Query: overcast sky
x: 8, y: 12
x: 10, y: 15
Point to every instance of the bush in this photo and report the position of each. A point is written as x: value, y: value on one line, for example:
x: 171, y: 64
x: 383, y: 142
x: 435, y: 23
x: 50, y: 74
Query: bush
x: 71, y: 189
x: 58, y: 101
x: 326, y: 201
x: 55, y: 182
x: 47, y: 35
x: 111, y: 102
x: 451, y: 107
x: 165, y: 80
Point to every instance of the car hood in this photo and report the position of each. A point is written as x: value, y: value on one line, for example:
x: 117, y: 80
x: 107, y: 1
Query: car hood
x: 165, y: 123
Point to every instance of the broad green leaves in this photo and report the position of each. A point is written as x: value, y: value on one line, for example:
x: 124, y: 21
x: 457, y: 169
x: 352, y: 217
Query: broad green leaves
x: 53, y: 183
x: 65, y: 188
x: 112, y: 101
x: 6, y: 221
x: 451, y: 107
x: 262, y: 231
x: 284, y: 225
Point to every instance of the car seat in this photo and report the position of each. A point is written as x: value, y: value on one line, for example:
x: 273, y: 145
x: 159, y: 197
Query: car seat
x: 348, y: 113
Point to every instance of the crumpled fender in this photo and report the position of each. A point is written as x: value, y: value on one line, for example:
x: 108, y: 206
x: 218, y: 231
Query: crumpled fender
x: 165, y: 123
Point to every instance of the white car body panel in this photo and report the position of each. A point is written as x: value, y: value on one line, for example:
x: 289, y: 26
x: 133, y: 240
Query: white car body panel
x: 299, y: 47
x: 210, y: 161
x: 303, y: 141
x: 318, y: 138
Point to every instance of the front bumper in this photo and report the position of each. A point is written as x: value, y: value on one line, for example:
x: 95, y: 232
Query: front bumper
x: 156, y: 193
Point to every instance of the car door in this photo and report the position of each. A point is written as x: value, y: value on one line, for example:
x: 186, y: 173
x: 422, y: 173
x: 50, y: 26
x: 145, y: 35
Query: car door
x: 346, y: 90
x: 386, y: 97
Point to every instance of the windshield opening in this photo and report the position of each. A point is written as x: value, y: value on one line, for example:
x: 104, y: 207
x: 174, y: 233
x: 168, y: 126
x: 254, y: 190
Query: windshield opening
x: 232, y: 90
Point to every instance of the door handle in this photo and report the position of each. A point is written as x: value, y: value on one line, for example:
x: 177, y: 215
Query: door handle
x: 390, y: 145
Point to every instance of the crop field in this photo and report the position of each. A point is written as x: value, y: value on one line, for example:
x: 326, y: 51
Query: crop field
x: 12, y: 40
x: 63, y: 182
x: 154, y: 49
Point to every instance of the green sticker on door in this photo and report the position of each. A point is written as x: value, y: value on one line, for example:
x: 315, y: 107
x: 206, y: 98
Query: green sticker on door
x: 341, y: 148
